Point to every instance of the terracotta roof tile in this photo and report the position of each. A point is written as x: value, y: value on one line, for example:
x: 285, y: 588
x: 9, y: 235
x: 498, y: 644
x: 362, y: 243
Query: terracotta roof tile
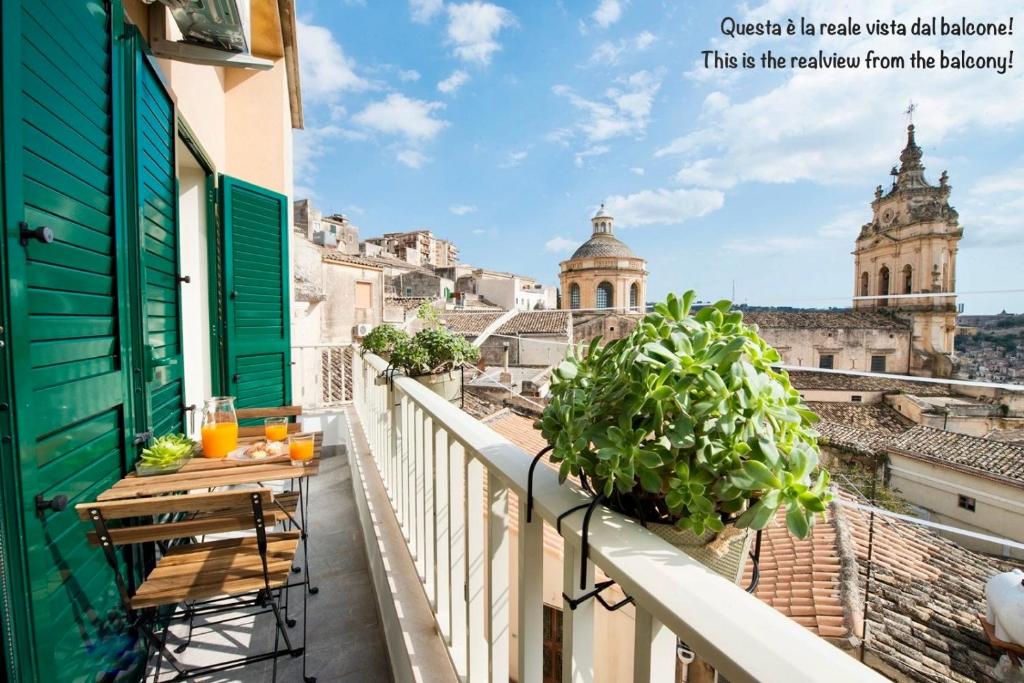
x: 824, y: 320
x: 538, y: 322
x: 866, y: 428
x: 975, y: 453
x: 843, y: 381
x: 464, y: 322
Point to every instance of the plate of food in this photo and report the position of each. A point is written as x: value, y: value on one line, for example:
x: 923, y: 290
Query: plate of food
x: 260, y: 450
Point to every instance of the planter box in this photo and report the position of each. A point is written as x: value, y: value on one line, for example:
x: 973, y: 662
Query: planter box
x: 447, y: 385
x: 727, y: 556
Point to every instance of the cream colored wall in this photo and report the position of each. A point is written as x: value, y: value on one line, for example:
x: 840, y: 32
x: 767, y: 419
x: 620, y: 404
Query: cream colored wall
x: 340, y: 314
x: 999, y: 510
x: 852, y: 347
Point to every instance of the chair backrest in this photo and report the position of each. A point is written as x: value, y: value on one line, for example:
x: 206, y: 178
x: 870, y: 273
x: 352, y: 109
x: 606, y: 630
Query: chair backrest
x: 228, y: 511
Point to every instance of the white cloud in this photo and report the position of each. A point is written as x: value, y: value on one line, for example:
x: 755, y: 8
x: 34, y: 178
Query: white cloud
x: 513, y: 158
x: 608, y: 12
x: 325, y: 70
x: 312, y: 143
x: 609, y: 52
x: 408, y: 75
x: 425, y: 10
x: 473, y: 28
x: 461, y: 209
x: 624, y: 110
x: 704, y: 173
x: 637, y: 170
x: 769, y: 245
x: 840, y: 230
x: 479, y: 231
x: 560, y: 245
x: 404, y: 116
x: 452, y: 84
x: 412, y: 158
x: 995, y: 205
x: 665, y: 207
x: 592, y: 151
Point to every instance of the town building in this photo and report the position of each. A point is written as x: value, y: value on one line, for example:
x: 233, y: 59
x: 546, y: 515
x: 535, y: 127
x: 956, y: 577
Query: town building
x: 419, y: 244
x: 507, y: 290
x: 334, y: 231
x: 603, y: 272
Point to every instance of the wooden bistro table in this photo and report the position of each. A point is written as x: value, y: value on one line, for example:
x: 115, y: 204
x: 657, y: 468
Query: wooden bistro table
x: 207, y: 474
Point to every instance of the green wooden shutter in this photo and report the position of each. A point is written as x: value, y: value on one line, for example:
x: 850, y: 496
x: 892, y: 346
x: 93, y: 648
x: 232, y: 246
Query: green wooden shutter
x: 156, y: 198
x: 256, y: 275
x: 68, y: 322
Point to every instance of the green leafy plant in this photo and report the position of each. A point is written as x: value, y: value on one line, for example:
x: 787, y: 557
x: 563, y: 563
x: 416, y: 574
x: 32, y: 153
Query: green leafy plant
x: 383, y: 339
x: 686, y: 421
x: 167, y: 451
x: 430, y: 351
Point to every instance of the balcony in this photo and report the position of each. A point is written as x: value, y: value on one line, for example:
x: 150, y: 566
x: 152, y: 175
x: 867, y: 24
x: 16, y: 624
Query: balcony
x: 456, y: 566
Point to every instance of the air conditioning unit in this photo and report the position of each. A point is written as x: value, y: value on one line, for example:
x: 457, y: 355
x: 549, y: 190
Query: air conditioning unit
x: 363, y: 329
x: 214, y: 32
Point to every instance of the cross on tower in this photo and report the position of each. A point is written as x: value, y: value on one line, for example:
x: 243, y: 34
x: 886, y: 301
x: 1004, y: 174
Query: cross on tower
x: 910, y: 112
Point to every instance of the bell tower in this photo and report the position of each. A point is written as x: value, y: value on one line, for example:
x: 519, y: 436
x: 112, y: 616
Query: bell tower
x: 909, y: 248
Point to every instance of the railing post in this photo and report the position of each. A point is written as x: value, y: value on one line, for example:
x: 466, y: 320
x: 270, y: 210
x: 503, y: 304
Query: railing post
x: 476, y: 608
x: 418, y: 520
x: 457, y: 554
x: 654, y: 650
x: 578, y: 624
x: 497, y: 577
x: 442, y: 558
x: 530, y: 602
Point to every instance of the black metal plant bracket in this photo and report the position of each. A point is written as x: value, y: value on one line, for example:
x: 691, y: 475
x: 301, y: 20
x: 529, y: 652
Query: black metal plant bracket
x: 596, y: 594
x: 755, y: 577
x: 529, y: 482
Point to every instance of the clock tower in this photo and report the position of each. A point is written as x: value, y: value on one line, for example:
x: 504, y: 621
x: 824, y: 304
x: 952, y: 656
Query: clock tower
x: 909, y: 248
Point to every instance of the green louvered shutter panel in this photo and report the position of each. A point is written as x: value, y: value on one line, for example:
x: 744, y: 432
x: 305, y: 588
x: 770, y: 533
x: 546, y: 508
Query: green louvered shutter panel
x: 68, y: 318
x: 257, y: 330
x: 156, y: 202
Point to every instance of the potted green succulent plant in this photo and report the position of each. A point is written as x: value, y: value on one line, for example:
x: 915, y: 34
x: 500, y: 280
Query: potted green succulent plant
x: 432, y: 356
x: 685, y: 425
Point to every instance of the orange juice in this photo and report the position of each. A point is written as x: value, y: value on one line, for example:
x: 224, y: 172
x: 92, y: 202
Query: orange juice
x: 219, y: 439
x: 276, y: 432
x: 300, y: 450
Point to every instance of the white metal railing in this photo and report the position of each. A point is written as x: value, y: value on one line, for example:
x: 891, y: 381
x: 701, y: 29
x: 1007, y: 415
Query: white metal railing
x: 322, y: 375
x: 449, y: 476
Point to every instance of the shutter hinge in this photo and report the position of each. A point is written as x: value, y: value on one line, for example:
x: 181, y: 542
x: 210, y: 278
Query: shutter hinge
x: 143, y: 437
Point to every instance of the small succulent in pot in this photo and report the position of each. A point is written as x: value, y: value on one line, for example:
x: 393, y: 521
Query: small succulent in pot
x: 686, y: 421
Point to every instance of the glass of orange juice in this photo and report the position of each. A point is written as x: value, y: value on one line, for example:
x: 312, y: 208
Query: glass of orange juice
x: 300, y: 449
x: 220, y: 427
x: 276, y: 428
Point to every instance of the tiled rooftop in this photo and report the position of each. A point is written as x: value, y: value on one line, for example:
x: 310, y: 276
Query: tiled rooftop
x: 538, y: 322
x: 407, y: 303
x: 464, y: 322
x: 824, y: 320
x: 863, y: 428
x: 334, y: 256
x: 840, y: 381
x: 971, y: 453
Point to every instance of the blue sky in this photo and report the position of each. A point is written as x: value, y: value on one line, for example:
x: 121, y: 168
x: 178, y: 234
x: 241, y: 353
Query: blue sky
x: 503, y: 125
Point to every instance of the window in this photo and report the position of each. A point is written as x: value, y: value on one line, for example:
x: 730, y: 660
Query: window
x: 574, y: 296
x: 856, y: 398
x: 552, y: 644
x: 877, y: 363
x: 408, y: 291
x: 634, y: 296
x: 908, y: 279
x: 967, y: 503
x: 883, y: 285
x: 864, y: 284
x: 827, y: 361
x: 604, y: 295
x: 364, y: 295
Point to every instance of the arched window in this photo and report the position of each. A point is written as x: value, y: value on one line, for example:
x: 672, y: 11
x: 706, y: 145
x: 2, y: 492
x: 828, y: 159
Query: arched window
x: 574, y: 295
x: 883, y: 285
x: 634, y: 296
x: 864, y: 278
x: 908, y: 279
x: 604, y: 295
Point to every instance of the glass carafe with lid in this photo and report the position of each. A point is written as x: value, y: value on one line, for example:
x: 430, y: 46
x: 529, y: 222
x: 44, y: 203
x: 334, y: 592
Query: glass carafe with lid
x: 220, y: 426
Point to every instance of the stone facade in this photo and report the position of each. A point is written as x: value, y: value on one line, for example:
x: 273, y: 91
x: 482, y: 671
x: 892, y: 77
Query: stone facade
x: 604, y: 272
x: 909, y: 247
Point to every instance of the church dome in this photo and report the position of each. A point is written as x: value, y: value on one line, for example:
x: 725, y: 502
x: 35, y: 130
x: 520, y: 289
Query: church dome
x: 602, y: 245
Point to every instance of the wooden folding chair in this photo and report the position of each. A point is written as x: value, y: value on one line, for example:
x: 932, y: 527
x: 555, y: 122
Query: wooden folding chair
x: 254, y: 567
